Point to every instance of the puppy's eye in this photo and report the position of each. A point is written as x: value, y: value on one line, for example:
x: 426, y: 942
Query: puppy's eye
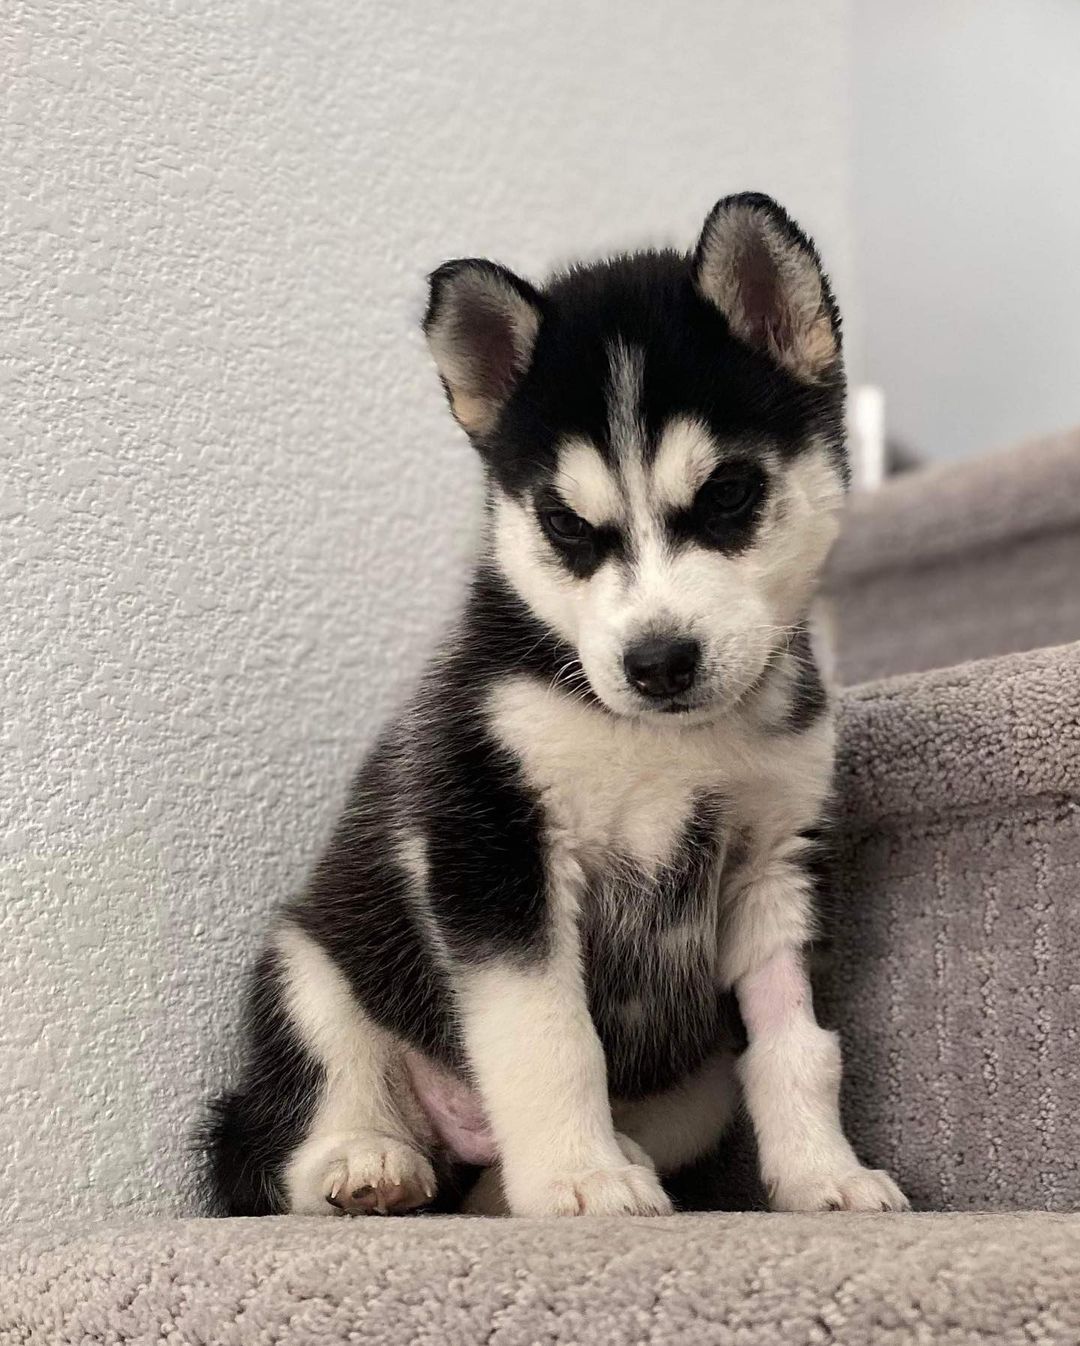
x: 566, y: 526
x: 726, y: 499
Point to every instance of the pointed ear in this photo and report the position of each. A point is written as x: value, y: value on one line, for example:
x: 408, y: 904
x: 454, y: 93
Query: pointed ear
x: 764, y: 275
x: 481, y: 327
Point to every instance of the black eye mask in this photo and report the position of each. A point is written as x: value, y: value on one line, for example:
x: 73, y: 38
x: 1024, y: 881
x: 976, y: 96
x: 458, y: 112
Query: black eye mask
x: 726, y: 510
x: 579, y: 546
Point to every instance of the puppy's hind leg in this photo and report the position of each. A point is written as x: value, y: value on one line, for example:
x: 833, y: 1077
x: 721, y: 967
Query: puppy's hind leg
x: 363, y: 1151
x: 682, y: 1125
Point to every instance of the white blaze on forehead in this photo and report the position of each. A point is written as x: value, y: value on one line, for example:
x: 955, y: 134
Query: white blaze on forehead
x: 587, y: 485
x: 627, y: 433
x: 683, y: 463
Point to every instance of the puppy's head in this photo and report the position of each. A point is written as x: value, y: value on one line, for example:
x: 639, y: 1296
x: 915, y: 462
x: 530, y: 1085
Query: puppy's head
x: 664, y: 445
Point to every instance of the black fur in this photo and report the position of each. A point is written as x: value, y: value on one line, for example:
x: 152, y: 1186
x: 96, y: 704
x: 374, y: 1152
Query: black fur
x: 693, y: 366
x: 809, y: 697
x: 250, y: 1132
x: 688, y: 1019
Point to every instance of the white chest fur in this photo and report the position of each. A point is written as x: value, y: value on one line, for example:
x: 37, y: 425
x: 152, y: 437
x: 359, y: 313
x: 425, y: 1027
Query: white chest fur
x: 628, y: 787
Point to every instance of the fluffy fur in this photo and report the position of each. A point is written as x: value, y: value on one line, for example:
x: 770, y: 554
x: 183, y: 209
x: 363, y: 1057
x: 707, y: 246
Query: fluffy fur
x: 562, y: 919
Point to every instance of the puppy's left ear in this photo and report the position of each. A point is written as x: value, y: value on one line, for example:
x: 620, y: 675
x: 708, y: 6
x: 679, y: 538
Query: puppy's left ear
x: 481, y: 327
x: 762, y: 272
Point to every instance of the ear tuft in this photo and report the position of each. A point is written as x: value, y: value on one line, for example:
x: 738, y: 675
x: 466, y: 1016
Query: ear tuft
x: 481, y: 328
x: 762, y: 272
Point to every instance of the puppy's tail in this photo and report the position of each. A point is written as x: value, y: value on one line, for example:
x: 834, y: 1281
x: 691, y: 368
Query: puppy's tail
x: 245, y: 1137
x: 234, y: 1177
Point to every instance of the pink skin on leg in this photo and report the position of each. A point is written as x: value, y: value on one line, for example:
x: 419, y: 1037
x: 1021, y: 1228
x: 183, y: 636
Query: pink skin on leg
x: 454, y: 1110
x: 776, y: 996
x: 790, y: 1074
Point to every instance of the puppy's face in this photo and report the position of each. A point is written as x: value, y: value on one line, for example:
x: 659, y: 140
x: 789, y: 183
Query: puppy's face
x: 664, y: 445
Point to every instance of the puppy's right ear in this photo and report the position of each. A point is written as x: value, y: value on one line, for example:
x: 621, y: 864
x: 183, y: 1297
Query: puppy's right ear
x: 481, y: 327
x: 764, y: 275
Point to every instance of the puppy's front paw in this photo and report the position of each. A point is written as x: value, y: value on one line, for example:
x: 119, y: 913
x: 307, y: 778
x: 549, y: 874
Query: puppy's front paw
x: 632, y: 1189
x: 855, y: 1189
x: 488, y: 1196
x: 361, y: 1173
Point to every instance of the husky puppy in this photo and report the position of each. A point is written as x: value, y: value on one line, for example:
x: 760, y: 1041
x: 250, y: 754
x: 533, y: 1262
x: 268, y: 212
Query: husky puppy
x: 561, y: 926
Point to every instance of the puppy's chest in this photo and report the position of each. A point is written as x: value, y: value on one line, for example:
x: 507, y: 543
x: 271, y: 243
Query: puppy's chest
x: 634, y: 813
x: 657, y: 822
x: 646, y: 819
x: 617, y: 791
x: 614, y: 793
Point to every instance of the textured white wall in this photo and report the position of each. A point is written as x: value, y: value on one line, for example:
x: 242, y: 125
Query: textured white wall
x: 966, y: 194
x: 230, y: 490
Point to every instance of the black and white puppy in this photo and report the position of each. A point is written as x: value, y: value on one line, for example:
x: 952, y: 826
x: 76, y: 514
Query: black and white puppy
x: 588, y: 836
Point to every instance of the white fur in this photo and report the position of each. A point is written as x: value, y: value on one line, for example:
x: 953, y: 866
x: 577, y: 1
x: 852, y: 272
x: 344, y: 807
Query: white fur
x: 684, y: 460
x: 540, y: 1068
x: 412, y: 852
x: 790, y: 1073
x: 523, y: 554
x: 363, y: 1137
x: 767, y: 908
x: 488, y: 1196
x: 617, y: 785
x: 626, y: 432
x: 586, y: 484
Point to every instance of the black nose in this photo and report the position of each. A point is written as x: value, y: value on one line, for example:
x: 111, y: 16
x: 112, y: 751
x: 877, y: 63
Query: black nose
x: 659, y: 666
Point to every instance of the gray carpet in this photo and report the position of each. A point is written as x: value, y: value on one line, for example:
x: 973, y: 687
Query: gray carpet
x: 767, y: 1279
x: 956, y: 920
